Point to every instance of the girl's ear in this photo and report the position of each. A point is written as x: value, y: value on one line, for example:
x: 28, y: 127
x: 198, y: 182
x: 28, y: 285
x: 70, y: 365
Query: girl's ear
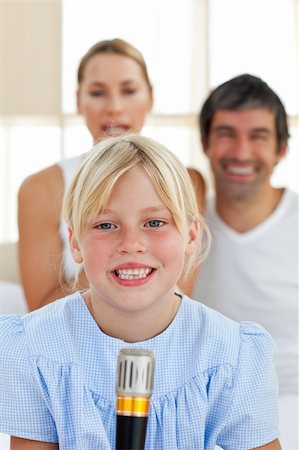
x: 192, y: 241
x: 75, y: 249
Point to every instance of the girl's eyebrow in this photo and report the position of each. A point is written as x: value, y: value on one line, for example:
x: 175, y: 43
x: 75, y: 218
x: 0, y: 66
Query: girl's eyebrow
x: 157, y: 208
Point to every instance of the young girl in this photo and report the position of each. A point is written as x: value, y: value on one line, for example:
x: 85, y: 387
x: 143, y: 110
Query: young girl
x: 134, y: 224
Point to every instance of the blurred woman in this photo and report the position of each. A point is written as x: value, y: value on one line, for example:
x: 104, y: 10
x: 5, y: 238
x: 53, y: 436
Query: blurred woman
x: 114, y: 96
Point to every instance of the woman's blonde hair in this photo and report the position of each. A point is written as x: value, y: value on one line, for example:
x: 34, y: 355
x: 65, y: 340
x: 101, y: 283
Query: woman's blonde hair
x: 114, y: 46
x: 93, y: 183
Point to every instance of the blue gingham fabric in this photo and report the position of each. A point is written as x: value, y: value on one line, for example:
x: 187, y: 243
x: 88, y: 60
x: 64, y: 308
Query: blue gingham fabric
x: 214, y: 380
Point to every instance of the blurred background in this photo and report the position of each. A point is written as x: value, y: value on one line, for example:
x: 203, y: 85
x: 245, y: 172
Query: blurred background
x: 190, y: 47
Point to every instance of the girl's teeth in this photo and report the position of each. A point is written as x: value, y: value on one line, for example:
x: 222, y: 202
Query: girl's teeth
x: 133, y: 274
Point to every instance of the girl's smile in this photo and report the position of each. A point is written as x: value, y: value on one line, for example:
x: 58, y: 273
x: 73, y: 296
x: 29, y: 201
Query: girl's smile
x: 132, y: 274
x: 133, y: 255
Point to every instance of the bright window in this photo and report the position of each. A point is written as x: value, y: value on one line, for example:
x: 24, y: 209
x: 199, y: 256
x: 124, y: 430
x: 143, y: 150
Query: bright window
x: 168, y: 33
x: 257, y: 37
x: 190, y: 47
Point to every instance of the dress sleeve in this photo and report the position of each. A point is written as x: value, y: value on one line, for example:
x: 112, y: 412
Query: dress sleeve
x: 252, y: 419
x: 23, y: 409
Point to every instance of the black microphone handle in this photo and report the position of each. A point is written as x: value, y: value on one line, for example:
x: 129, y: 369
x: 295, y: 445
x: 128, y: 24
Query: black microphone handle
x: 130, y: 432
x: 134, y: 386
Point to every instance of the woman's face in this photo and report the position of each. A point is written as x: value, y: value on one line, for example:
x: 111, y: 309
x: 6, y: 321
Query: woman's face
x: 113, y: 96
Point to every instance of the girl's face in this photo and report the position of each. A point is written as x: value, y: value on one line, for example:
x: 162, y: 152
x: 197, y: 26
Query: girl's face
x: 113, y: 97
x: 133, y: 253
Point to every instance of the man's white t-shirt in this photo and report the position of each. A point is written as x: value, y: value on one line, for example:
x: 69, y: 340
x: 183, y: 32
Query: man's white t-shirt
x: 254, y: 276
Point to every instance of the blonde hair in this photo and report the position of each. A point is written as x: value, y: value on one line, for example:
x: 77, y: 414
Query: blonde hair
x: 116, y: 46
x: 93, y: 183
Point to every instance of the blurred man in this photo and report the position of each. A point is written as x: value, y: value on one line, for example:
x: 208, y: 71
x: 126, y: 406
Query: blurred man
x: 251, y: 272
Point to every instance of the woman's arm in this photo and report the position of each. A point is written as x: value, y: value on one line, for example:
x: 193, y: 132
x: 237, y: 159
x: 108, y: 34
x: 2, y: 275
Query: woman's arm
x: 27, y: 444
x: 40, y: 247
x: 274, y: 445
x: 200, y: 189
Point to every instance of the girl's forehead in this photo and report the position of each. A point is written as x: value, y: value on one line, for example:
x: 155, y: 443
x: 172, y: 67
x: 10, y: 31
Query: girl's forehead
x: 136, y: 180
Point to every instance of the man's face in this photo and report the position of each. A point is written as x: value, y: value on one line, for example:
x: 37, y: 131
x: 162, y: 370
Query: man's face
x: 242, y: 150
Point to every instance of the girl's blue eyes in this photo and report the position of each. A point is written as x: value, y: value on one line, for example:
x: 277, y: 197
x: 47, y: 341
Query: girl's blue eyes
x: 154, y: 223
x: 106, y: 226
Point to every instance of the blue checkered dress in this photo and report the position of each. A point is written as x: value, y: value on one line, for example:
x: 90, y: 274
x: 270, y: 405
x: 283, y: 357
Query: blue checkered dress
x: 214, y: 380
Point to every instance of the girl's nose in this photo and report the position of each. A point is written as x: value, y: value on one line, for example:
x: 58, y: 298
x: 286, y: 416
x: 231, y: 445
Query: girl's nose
x: 131, y: 242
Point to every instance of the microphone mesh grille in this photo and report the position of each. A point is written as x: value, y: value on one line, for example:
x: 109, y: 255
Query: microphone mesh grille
x: 135, y: 372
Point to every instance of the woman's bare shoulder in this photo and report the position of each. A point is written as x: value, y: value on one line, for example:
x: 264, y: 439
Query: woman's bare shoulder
x: 42, y: 194
x: 46, y: 181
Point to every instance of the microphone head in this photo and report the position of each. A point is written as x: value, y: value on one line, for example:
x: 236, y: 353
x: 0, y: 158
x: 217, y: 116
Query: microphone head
x: 135, y: 372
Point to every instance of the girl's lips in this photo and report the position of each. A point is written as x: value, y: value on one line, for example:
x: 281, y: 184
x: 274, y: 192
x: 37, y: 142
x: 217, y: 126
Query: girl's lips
x: 133, y: 276
x: 131, y: 265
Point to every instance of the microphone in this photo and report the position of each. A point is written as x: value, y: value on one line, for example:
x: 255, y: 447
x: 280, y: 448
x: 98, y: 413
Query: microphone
x: 134, y: 387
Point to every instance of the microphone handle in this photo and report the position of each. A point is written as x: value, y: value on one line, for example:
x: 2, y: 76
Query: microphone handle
x: 130, y: 432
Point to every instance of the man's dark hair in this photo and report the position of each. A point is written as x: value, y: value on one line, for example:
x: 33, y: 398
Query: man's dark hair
x: 244, y: 92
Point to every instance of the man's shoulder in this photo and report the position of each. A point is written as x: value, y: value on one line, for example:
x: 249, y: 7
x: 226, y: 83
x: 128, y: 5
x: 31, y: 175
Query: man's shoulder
x: 210, y: 205
x: 288, y: 206
x: 291, y: 196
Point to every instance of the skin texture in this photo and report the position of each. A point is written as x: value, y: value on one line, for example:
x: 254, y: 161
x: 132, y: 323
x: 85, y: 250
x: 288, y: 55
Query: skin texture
x: 242, y: 149
x: 27, y: 444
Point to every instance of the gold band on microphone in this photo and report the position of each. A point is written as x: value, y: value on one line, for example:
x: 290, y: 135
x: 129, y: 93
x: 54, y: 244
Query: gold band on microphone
x: 132, y: 406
